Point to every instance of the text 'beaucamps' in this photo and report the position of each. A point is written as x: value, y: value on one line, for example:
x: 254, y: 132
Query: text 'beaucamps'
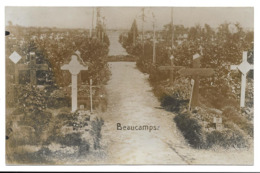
x: 139, y: 127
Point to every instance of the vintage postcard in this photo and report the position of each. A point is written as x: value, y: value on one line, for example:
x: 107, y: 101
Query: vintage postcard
x: 129, y: 85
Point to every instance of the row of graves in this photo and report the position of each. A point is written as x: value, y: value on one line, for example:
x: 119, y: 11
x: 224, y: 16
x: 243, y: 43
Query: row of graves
x: 196, y: 72
x: 23, y: 71
x: 79, y: 111
x: 199, y: 96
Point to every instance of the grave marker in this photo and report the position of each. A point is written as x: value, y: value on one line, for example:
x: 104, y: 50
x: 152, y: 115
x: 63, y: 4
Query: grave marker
x: 192, y: 86
x: 218, y: 123
x: 81, y: 107
x: 74, y: 68
x: 171, y: 68
x: 244, y: 68
x: 15, y: 57
x: 32, y: 66
x: 195, y: 72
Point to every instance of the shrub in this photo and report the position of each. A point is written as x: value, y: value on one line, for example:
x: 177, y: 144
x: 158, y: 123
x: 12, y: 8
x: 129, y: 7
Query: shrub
x: 31, y: 99
x: 226, y: 139
x: 54, y: 102
x: 173, y: 104
x: 39, y: 122
x: 191, y: 130
x: 232, y: 115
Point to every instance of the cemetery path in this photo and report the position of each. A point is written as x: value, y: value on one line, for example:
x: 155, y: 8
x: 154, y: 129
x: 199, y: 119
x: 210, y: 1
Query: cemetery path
x: 115, y: 47
x: 131, y: 103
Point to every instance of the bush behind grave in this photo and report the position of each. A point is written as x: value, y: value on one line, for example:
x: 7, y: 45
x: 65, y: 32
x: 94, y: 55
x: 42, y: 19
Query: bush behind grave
x: 173, y: 104
x: 191, y: 130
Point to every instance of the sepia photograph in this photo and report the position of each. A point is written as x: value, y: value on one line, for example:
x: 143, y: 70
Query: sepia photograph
x: 129, y: 85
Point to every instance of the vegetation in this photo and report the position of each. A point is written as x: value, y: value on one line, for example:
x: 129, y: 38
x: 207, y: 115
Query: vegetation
x: 35, y: 108
x: 219, y: 94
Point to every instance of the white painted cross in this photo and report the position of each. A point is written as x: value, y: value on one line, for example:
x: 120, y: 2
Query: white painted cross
x: 244, y: 68
x: 74, y: 68
x: 15, y: 57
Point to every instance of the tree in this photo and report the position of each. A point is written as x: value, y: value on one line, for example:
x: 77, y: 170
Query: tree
x: 133, y: 34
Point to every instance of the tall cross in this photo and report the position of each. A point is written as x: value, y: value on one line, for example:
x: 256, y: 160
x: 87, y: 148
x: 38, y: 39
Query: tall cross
x: 244, y: 68
x: 32, y: 66
x: 74, y: 68
x: 196, y: 72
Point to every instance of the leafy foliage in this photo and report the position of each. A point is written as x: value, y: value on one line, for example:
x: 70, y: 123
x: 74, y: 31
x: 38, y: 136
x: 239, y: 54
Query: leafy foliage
x: 191, y: 129
x: 31, y: 100
x: 219, y: 49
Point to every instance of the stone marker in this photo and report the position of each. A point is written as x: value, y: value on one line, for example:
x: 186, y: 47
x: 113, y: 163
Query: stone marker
x: 196, y: 72
x: 74, y: 68
x: 244, y: 68
x: 218, y: 123
x: 81, y: 107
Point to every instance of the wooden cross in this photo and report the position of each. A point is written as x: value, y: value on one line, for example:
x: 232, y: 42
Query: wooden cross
x: 171, y: 68
x: 74, y: 68
x: 32, y: 66
x: 244, y: 68
x: 195, y: 72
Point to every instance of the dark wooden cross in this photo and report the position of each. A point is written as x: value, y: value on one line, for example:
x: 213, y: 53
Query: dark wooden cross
x: 171, y: 68
x: 196, y: 72
x: 32, y: 66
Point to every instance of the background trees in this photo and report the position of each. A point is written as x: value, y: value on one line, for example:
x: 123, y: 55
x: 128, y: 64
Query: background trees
x: 220, y: 47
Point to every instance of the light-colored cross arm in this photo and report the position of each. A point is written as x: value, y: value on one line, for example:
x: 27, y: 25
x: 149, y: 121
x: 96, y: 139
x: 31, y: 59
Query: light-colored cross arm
x: 65, y: 67
x: 233, y: 67
x: 83, y: 67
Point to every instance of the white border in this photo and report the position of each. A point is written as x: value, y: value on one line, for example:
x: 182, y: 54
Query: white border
x: 189, y: 3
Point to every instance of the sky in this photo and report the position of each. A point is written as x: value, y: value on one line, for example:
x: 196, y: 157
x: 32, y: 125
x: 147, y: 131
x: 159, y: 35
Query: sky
x: 122, y: 17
